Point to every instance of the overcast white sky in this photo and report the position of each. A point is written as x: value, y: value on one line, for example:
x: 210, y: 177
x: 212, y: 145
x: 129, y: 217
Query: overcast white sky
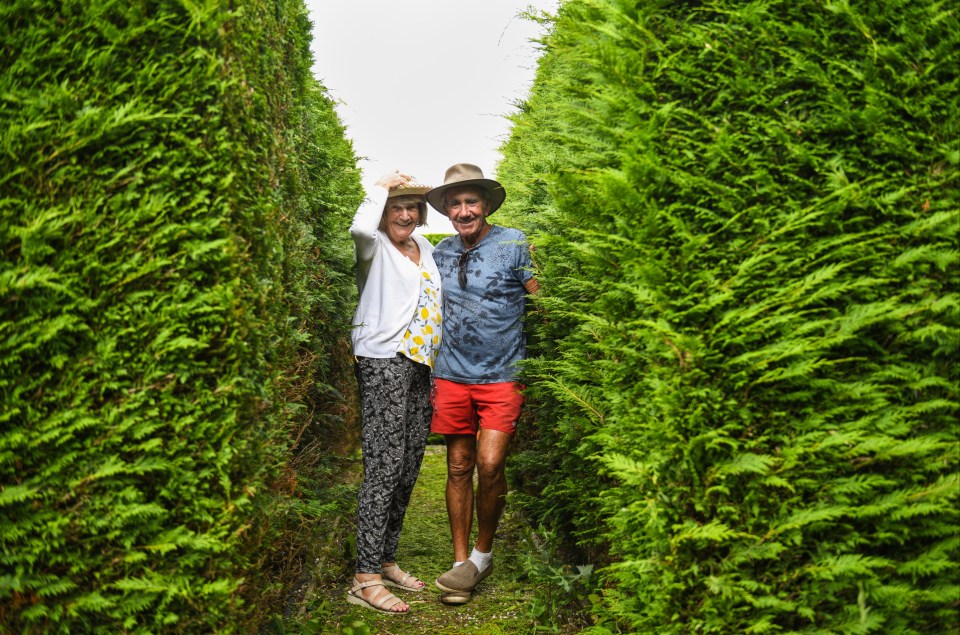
x: 424, y: 84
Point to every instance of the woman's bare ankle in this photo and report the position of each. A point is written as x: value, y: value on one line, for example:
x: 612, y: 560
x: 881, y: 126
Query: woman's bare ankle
x: 366, y: 577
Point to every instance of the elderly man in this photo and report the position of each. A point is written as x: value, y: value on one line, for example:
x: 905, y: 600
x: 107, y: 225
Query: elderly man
x: 486, y: 273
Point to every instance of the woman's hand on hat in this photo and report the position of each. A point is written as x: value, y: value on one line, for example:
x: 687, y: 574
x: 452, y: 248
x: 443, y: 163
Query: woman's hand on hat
x: 394, y: 179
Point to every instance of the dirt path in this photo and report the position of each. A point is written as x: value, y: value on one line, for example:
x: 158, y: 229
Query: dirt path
x: 500, y: 605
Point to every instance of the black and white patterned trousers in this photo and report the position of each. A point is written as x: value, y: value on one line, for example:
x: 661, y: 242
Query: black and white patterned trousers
x: 395, y: 419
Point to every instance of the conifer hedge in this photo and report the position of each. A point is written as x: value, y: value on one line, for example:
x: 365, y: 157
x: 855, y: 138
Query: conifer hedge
x: 172, y: 179
x: 744, y: 390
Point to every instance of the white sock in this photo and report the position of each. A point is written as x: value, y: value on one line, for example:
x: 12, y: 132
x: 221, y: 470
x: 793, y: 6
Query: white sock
x: 482, y: 560
x: 457, y: 564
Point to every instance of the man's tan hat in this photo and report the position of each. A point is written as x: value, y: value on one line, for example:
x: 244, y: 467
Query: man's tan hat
x: 466, y: 174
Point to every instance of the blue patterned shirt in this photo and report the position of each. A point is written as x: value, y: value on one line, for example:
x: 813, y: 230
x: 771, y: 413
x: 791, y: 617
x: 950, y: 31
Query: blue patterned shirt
x: 482, y: 322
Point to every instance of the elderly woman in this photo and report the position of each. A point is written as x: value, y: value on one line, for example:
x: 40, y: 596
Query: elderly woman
x: 395, y: 341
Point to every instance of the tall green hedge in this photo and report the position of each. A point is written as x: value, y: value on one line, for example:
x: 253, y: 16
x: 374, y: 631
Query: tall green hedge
x: 746, y: 221
x: 169, y: 176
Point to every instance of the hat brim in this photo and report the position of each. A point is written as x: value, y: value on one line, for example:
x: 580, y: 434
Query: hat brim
x: 408, y: 190
x: 496, y: 192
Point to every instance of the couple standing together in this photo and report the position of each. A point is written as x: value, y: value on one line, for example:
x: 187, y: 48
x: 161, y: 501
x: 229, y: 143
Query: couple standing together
x: 436, y: 337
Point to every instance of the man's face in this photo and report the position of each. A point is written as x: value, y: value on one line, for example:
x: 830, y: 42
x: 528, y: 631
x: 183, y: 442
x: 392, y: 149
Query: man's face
x: 466, y: 211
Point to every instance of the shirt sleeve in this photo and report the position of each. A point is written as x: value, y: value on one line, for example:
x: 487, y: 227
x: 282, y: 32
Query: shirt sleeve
x: 366, y: 223
x: 524, y: 269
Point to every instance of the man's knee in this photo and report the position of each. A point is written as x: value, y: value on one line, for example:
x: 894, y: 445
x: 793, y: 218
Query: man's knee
x: 460, y: 466
x: 490, y: 469
x: 461, y: 456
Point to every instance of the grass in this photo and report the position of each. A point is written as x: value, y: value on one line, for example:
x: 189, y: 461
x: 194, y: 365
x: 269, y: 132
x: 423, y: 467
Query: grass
x: 501, y: 604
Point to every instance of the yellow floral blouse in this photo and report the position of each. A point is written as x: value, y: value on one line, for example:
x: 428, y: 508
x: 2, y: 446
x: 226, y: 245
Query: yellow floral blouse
x: 422, y: 338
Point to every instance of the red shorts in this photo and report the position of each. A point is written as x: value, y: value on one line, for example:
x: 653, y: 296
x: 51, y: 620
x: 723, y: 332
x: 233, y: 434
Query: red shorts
x: 466, y: 408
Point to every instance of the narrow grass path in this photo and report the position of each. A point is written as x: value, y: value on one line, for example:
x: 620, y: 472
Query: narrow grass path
x: 500, y: 605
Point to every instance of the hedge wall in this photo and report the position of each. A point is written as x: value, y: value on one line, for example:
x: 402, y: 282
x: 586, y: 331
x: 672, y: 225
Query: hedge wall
x: 745, y: 388
x: 169, y: 176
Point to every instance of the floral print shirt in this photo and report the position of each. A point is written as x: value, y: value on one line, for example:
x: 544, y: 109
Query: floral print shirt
x: 421, y: 341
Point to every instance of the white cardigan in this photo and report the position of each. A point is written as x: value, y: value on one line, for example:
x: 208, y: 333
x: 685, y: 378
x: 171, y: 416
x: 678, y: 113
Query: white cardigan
x: 388, y: 281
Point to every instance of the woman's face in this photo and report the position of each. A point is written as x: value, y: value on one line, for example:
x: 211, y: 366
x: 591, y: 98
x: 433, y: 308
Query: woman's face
x: 401, y: 216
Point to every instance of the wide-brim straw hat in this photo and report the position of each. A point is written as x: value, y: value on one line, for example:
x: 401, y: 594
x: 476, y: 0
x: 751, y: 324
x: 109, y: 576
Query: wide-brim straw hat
x: 467, y: 174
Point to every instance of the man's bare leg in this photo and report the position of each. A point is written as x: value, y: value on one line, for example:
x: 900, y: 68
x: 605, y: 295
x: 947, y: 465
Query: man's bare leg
x: 491, y: 486
x: 461, y: 458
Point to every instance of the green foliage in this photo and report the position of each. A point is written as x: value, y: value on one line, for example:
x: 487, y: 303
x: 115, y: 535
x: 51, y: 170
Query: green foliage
x: 435, y: 238
x: 170, y: 175
x: 276, y: 626
x: 562, y: 591
x: 746, y: 223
